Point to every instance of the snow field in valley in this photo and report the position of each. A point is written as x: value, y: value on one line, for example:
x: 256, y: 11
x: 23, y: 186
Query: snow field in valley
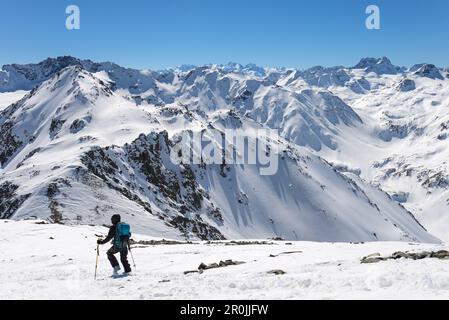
x: 7, y: 98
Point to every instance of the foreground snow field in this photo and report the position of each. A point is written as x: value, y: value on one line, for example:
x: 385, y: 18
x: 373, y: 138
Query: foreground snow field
x: 47, y: 261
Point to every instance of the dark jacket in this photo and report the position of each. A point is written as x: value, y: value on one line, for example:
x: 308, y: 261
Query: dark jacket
x: 111, y: 235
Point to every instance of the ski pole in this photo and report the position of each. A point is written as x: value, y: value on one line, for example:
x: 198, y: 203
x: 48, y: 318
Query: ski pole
x: 132, y: 257
x: 96, y: 263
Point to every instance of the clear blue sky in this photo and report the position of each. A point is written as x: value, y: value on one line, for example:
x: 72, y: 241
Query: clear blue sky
x: 158, y: 34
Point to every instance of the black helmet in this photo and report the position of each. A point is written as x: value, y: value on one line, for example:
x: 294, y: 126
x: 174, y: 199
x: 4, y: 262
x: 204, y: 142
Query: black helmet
x: 115, y: 219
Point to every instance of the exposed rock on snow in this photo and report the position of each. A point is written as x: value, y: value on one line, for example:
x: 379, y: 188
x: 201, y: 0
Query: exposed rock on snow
x: 277, y: 272
x: 374, y: 258
x: 240, y: 243
x: 162, y: 242
x: 283, y: 253
x: 400, y: 197
x: 202, y: 267
x: 399, y: 130
x: 407, y: 85
x: 221, y: 264
x: 10, y: 201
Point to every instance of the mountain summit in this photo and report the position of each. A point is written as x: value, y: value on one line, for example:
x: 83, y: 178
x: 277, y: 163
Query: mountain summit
x: 377, y: 65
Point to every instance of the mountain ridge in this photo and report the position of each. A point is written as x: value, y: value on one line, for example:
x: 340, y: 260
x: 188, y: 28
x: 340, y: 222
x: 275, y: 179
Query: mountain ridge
x: 25, y: 76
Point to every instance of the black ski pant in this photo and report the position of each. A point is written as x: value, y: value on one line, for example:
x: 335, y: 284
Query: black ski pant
x: 123, y: 258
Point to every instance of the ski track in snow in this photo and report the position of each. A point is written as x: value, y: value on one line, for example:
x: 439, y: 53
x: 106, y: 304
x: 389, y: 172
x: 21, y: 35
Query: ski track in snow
x: 42, y: 261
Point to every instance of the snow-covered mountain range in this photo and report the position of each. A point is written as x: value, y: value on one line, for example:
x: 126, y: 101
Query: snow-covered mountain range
x: 362, y: 150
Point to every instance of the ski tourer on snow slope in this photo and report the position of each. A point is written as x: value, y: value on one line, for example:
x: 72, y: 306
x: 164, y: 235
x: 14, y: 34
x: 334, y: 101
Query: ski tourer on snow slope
x: 119, y: 233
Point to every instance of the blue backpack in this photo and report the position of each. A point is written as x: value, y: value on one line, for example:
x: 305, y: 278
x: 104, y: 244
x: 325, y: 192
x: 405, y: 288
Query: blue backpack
x: 123, y: 233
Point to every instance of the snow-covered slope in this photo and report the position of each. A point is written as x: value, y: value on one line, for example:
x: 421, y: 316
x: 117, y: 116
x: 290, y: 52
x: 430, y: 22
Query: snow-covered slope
x: 50, y: 261
x: 400, y: 140
x: 402, y: 145
x: 95, y: 139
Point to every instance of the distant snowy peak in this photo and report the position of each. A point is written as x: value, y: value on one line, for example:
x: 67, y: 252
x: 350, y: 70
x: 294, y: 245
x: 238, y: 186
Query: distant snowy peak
x: 340, y: 76
x: 181, y: 68
x: 427, y: 70
x: 63, y: 105
x: 377, y: 65
x: 250, y: 69
x: 25, y: 77
x: 46, y: 68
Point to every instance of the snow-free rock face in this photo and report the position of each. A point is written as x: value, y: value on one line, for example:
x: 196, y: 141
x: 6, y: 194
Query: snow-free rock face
x: 78, y: 148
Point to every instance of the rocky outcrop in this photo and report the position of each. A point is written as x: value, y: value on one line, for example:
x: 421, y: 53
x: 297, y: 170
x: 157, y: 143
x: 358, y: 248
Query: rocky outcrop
x: 143, y: 172
x: 222, y: 264
x: 376, y: 257
x: 10, y: 200
x: 9, y: 143
x: 407, y: 85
